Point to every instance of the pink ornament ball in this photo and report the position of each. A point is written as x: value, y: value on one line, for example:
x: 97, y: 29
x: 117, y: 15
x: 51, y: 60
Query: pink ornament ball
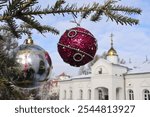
x: 77, y: 46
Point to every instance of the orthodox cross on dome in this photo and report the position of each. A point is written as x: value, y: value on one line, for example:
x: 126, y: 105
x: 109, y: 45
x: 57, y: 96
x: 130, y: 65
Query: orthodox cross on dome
x: 111, y: 36
x: 146, y: 58
x: 130, y: 60
x: 112, y: 51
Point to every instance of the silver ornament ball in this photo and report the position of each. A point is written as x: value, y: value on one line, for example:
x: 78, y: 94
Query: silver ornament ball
x: 33, y: 65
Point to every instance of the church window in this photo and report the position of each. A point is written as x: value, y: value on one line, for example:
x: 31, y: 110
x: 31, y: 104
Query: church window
x: 146, y: 95
x: 100, y: 94
x: 81, y: 94
x: 89, y: 94
x: 70, y: 94
x: 100, y: 71
x: 131, y: 95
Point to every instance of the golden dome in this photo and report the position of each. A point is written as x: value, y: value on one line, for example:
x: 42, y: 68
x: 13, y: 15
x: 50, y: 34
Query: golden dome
x: 112, y: 51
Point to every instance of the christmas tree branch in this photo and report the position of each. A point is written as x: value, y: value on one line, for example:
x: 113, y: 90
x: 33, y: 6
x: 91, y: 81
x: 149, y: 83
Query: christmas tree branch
x: 34, y: 24
x: 128, y: 10
x: 58, y: 9
x: 2, y: 4
x: 12, y: 26
x: 27, y: 4
x: 58, y: 4
x: 24, y: 10
x: 95, y: 7
x: 121, y: 19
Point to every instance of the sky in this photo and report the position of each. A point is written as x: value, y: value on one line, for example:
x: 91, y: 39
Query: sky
x: 130, y: 42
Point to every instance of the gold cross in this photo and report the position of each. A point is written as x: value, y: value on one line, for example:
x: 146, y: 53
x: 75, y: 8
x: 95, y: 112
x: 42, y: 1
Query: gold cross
x: 111, y: 35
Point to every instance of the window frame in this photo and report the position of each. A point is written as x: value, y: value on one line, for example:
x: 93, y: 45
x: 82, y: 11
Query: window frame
x: 131, y: 94
x: 146, y: 94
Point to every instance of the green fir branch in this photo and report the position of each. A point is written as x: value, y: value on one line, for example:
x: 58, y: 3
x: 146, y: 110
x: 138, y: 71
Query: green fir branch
x: 34, y: 24
x: 45, y: 28
x: 2, y: 4
x: 13, y: 27
x: 26, y: 5
x: 96, y: 16
x: 25, y: 11
x: 121, y: 19
x: 128, y: 10
x: 58, y: 4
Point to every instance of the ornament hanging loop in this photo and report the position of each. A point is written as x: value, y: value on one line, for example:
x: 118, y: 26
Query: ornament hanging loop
x: 75, y: 21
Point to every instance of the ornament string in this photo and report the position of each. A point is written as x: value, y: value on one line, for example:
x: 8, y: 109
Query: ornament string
x: 78, y: 23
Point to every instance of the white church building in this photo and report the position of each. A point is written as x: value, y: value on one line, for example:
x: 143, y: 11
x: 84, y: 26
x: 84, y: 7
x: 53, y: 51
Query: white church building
x: 109, y: 80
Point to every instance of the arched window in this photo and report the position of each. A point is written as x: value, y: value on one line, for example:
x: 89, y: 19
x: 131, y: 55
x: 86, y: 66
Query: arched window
x: 100, y: 95
x: 70, y: 94
x: 81, y: 94
x: 146, y: 95
x: 65, y: 94
x: 89, y: 94
x: 131, y: 95
x: 100, y: 71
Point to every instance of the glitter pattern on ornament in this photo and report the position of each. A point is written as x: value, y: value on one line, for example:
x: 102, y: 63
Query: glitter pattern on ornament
x: 77, y: 46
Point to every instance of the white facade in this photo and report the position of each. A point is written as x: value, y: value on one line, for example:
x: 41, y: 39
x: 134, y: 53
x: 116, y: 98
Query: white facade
x: 107, y: 81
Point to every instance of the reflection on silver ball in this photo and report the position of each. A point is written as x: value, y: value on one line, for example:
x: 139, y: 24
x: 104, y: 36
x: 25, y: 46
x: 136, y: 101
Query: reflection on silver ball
x: 33, y: 64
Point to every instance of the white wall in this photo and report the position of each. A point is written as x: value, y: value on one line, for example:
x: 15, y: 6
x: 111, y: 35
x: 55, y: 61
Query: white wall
x: 75, y: 85
x: 137, y: 82
x: 112, y: 78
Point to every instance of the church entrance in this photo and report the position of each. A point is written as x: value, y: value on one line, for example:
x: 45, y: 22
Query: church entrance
x: 101, y: 93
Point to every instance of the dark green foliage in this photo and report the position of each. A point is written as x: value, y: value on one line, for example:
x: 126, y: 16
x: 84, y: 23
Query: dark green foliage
x: 26, y: 12
x: 2, y: 3
x: 8, y: 92
x: 7, y: 63
x: 58, y: 4
x: 12, y: 27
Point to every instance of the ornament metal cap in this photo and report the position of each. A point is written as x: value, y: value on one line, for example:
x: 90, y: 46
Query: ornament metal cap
x: 29, y: 41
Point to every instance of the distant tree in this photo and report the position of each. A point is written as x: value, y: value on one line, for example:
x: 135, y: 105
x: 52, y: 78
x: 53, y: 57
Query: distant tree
x: 81, y: 70
x: 94, y: 60
x: 121, y: 61
x: 103, y: 55
x: 86, y: 69
x: 54, y: 96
